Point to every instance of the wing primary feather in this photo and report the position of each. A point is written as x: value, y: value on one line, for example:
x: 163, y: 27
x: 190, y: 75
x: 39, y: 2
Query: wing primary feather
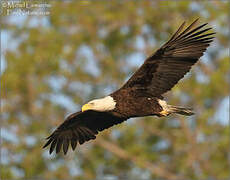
x: 53, y: 144
x: 73, y: 144
x: 196, y: 34
x: 198, y: 38
x: 176, y: 33
x: 191, y: 32
x: 51, y: 135
x: 48, y: 142
x: 195, y: 42
x: 179, y: 36
x: 59, y: 144
x: 188, y: 28
x: 65, y: 146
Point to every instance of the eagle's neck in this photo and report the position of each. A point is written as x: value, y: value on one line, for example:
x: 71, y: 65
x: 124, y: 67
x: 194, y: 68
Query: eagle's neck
x: 104, y: 104
x: 108, y: 103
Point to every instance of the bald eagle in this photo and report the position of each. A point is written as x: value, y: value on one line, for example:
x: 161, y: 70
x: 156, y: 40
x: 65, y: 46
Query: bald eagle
x: 141, y: 95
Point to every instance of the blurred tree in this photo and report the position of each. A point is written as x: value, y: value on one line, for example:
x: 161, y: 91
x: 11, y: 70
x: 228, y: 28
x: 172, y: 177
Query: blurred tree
x: 86, y: 49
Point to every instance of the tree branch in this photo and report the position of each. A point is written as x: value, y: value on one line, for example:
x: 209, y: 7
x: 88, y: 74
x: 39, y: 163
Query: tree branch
x: 154, y: 169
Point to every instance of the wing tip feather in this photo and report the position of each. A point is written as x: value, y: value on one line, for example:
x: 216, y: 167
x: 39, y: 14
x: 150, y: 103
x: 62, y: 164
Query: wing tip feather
x: 62, y: 142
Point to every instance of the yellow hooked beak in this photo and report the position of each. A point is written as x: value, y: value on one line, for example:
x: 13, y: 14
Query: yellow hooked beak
x: 86, y: 107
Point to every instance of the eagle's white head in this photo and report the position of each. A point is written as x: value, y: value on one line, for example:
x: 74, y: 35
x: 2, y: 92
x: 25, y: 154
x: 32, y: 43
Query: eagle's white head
x: 104, y: 104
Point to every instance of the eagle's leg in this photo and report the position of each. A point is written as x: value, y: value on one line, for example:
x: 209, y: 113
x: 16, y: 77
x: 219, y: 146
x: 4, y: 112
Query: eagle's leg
x: 165, y: 109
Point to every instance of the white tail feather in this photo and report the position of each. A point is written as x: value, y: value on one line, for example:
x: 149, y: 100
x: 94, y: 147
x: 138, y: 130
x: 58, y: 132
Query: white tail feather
x: 169, y: 109
x: 180, y: 110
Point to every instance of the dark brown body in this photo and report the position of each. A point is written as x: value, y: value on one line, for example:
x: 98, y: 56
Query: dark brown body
x: 135, y: 104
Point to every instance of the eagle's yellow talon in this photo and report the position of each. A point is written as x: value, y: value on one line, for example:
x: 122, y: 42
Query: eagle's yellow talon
x: 164, y: 113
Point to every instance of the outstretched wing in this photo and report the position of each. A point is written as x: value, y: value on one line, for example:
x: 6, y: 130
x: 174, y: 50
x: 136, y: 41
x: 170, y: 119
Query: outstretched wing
x: 172, y: 61
x: 79, y: 128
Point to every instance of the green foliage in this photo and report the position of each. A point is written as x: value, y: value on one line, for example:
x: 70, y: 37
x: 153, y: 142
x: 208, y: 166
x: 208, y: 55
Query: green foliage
x: 87, y: 49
